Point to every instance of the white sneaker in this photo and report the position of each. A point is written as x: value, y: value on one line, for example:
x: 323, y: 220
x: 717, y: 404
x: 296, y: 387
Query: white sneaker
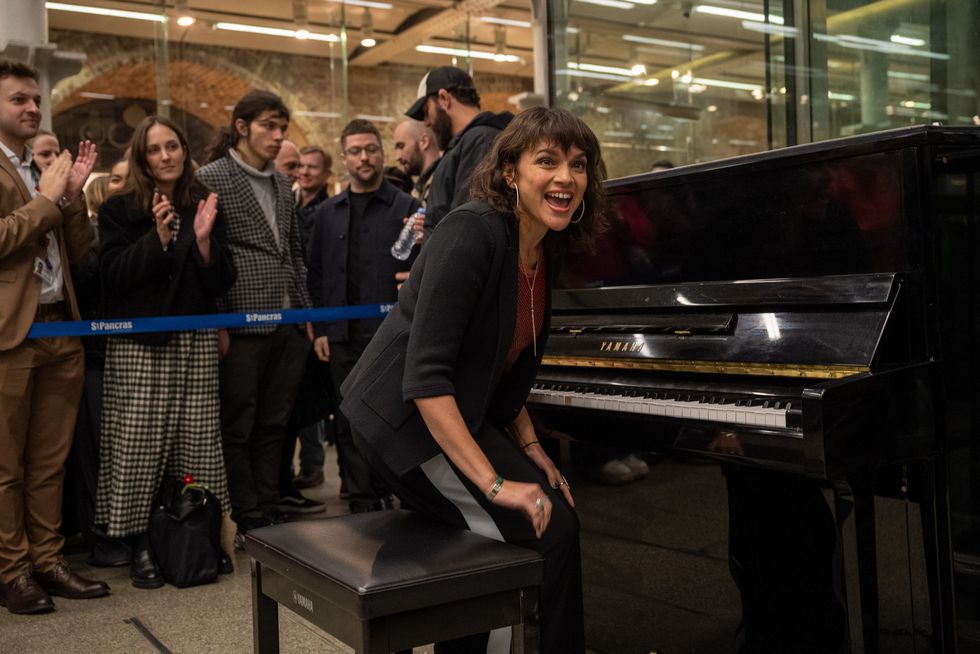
x: 612, y: 472
x: 637, y: 465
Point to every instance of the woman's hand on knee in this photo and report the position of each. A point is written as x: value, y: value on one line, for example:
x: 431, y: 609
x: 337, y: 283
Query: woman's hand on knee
x: 529, y: 499
x: 555, y: 479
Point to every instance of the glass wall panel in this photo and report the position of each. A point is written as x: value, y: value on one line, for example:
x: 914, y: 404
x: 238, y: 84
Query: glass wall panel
x: 689, y: 82
x: 890, y: 64
x: 663, y: 81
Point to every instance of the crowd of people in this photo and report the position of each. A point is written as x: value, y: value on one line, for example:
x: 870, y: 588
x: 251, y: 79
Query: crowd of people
x: 255, y: 229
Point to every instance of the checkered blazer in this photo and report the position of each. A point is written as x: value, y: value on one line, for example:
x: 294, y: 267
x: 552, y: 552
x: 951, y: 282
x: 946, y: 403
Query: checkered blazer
x: 265, y: 272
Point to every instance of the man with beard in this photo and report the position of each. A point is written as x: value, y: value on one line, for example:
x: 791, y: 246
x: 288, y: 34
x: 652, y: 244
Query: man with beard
x: 349, y: 265
x: 449, y: 104
x: 417, y: 153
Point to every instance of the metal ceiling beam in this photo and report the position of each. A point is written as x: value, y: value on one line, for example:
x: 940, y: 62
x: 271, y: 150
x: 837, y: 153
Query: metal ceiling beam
x: 393, y: 48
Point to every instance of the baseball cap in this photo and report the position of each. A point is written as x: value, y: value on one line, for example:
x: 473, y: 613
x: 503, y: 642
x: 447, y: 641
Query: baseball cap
x: 444, y: 77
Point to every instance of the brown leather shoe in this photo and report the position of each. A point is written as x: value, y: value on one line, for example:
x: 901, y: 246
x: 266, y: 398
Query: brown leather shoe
x: 62, y: 582
x: 24, y: 596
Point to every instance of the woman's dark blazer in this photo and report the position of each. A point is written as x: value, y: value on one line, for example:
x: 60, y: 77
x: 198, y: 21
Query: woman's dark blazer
x: 449, y: 334
x: 139, y: 279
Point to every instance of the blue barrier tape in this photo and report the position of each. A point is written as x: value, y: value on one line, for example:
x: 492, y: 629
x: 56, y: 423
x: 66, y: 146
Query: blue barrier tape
x: 115, y: 326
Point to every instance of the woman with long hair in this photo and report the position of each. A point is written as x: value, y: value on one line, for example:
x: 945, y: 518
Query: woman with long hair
x: 163, y: 252
x: 436, y: 402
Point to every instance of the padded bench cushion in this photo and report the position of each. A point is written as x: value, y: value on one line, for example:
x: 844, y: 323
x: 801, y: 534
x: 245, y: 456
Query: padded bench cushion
x: 385, y: 562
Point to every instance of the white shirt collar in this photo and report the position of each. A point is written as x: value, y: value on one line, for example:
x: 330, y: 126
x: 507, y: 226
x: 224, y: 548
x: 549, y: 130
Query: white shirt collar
x: 28, y: 155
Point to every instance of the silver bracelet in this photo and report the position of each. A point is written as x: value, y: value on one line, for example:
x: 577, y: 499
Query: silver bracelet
x: 492, y: 493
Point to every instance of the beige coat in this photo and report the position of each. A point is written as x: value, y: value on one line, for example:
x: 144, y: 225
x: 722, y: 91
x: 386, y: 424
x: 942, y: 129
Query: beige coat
x: 23, y: 224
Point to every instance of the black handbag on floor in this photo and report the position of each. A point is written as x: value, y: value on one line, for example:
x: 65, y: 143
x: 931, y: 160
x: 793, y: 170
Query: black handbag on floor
x: 185, y: 532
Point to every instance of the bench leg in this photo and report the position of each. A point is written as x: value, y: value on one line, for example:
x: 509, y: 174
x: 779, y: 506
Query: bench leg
x: 527, y: 635
x: 265, y: 616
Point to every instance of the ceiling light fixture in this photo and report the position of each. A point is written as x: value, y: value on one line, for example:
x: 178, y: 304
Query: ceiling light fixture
x: 766, y: 28
x: 505, y: 21
x: 876, y: 45
x: 184, y: 18
x: 273, y: 31
x: 907, y: 40
x: 598, y: 68
x: 615, y: 4
x: 367, y: 30
x: 474, y: 54
x: 916, y: 77
x: 102, y: 11
x: 633, y: 38
x: 365, y: 3
x: 726, y: 84
x: 737, y: 13
x: 590, y: 75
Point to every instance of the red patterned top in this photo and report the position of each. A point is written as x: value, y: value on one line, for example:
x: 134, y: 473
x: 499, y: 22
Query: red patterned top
x: 522, y: 327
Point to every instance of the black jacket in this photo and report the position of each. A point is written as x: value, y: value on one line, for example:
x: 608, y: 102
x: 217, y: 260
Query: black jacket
x: 139, y: 279
x: 327, y: 269
x: 451, y: 180
x: 305, y: 216
x: 449, y: 334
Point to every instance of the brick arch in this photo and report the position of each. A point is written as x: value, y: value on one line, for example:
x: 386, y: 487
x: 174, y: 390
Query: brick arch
x: 195, y: 88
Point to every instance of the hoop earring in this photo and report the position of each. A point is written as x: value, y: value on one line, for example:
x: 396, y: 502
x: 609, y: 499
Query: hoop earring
x: 581, y: 214
x: 517, y: 202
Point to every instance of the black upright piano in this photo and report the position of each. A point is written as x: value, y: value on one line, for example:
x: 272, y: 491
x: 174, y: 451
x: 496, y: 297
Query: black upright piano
x: 810, y: 310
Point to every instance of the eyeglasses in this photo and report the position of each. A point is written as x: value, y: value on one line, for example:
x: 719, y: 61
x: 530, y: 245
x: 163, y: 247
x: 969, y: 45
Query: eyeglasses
x: 370, y: 149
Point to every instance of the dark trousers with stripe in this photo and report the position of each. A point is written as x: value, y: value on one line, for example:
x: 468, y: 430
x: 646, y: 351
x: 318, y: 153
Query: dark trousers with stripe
x: 438, y: 489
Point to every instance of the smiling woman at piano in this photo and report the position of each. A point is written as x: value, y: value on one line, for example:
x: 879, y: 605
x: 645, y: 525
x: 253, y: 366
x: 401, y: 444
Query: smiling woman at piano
x: 436, y: 402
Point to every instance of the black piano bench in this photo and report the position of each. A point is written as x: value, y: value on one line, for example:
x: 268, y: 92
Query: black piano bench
x: 391, y: 580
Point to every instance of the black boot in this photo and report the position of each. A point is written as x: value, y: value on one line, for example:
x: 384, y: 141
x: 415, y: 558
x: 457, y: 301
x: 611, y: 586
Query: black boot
x: 143, y: 569
x: 107, y: 551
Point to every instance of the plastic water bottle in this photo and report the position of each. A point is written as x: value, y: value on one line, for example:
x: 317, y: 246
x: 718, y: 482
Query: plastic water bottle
x: 406, y: 239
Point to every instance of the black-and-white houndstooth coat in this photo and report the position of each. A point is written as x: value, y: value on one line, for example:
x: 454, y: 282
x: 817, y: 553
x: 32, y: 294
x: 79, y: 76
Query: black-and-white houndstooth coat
x: 266, y: 272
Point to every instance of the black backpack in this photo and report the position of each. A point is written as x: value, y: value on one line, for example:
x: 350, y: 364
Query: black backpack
x: 185, y: 533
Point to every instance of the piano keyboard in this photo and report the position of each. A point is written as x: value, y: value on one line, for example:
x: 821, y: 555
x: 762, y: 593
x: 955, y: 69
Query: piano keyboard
x: 688, y: 405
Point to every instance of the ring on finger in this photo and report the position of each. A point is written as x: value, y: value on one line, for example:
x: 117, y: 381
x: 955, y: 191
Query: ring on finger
x: 539, y: 503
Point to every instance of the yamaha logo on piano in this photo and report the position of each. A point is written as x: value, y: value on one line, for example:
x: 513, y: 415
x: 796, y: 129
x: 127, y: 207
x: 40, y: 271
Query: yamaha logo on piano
x: 628, y: 347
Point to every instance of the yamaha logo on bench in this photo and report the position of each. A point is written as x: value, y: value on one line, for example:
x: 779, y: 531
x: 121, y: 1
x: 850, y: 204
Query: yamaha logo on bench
x: 302, y: 601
